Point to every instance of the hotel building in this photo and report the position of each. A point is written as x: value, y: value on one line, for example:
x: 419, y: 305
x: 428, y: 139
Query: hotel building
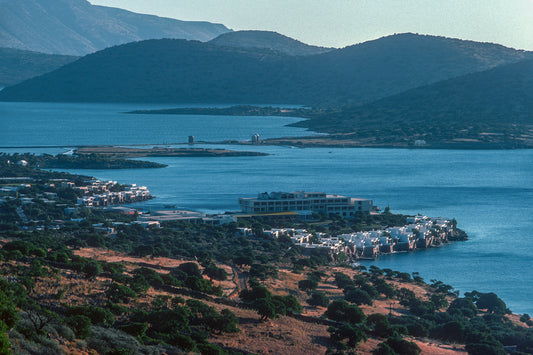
x: 318, y: 202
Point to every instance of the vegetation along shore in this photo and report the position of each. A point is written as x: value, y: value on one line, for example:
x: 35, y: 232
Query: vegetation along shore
x: 110, y: 157
x: 344, y: 127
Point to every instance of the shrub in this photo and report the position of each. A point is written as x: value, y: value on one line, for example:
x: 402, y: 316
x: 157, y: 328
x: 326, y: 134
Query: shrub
x: 485, y: 349
x: 358, y: 297
x: 402, y: 346
x: 97, y: 315
x: 371, y: 290
x: 203, y: 285
x: 8, y: 312
x: 120, y: 293
x: 491, y: 302
x: 417, y: 327
x: 316, y: 275
x: 169, y: 321
x: 374, y: 270
x: 255, y: 293
x: 225, y: 322
x: 151, y: 276
x: 379, y: 325
x: 19, y: 245
x: 65, y: 332
x: 341, y: 311
x: 318, y: 299
x: 342, y: 280
x: 104, y: 340
x: 114, y: 268
x: 211, y: 349
x: 215, y: 273
x: 176, y: 301
x: 266, y: 308
x: 384, y: 349
x: 190, y: 269
x: 81, y: 325
x: 139, y: 284
x: 262, y: 272
x: 384, y: 288
x: 353, y: 334
x: 463, y: 306
x: 404, y: 277
x: 438, y: 300
x: 450, y: 331
x: 168, y: 279
x: 307, y: 285
x: 135, y: 329
x: 5, y: 345
x: 291, y: 304
x: 92, y: 269
x: 184, y: 342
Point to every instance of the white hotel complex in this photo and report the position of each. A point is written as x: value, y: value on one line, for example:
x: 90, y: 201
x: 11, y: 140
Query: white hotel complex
x: 318, y: 202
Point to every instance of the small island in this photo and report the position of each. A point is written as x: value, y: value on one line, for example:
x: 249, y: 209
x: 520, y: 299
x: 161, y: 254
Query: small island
x: 128, y: 152
x: 238, y: 110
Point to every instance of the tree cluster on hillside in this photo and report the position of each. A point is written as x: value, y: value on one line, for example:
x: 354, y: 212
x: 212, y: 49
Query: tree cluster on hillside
x: 174, y: 322
x: 477, y: 320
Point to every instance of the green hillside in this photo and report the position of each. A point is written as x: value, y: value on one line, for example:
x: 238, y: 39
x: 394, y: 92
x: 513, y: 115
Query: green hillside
x: 18, y: 65
x: 188, y: 71
x: 491, y: 106
x: 268, y: 40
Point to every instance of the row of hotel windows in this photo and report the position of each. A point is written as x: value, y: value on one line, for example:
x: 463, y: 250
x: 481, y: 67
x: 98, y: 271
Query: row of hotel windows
x: 345, y: 214
x: 301, y: 208
x: 293, y: 203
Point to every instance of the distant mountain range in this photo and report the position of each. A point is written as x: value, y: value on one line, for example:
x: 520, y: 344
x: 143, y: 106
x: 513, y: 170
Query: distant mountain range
x: 76, y: 27
x: 189, y: 71
x: 18, y: 65
x: 269, y: 40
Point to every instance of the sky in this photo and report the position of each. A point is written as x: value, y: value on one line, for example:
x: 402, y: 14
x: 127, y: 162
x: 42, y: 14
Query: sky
x: 339, y: 23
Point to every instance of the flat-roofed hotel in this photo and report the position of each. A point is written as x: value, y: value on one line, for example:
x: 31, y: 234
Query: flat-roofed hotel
x: 318, y: 202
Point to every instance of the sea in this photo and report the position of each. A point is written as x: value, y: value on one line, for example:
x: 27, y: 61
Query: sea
x: 489, y: 192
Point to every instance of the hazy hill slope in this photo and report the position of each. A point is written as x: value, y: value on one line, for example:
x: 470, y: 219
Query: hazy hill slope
x: 18, y: 65
x: 157, y: 71
x: 269, y: 40
x: 497, y: 102
x: 393, y: 64
x: 76, y: 27
x: 188, y: 71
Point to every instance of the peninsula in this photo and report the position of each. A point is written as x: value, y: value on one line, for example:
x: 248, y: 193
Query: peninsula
x: 351, y: 127
x: 128, y: 152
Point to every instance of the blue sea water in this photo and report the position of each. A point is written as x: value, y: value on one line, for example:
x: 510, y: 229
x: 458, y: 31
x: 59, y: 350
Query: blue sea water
x: 67, y: 124
x: 490, y: 193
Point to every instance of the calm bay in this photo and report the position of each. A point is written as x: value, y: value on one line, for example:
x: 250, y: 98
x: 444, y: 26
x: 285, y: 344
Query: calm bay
x: 490, y: 193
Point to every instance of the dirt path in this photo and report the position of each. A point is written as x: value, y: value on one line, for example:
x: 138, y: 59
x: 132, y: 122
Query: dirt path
x: 240, y: 280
